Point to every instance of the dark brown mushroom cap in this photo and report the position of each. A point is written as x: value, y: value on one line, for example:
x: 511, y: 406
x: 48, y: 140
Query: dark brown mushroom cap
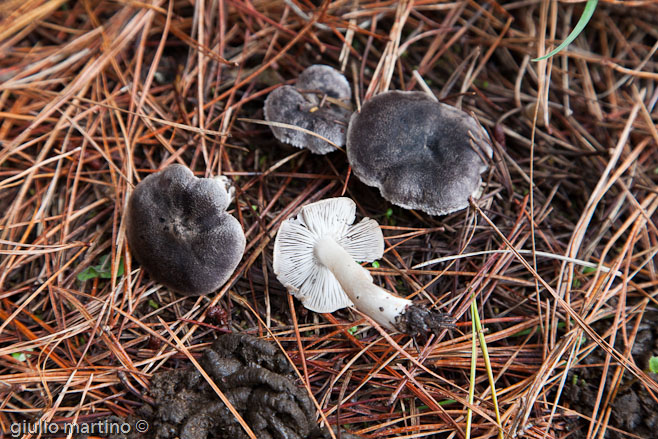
x: 178, y: 229
x: 421, y: 154
x: 299, y: 106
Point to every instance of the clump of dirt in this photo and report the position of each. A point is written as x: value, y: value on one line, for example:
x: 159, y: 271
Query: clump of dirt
x: 633, y: 409
x: 255, y: 377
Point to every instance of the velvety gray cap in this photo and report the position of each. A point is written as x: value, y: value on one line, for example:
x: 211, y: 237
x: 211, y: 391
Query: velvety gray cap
x: 178, y: 229
x: 299, y: 106
x: 421, y: 154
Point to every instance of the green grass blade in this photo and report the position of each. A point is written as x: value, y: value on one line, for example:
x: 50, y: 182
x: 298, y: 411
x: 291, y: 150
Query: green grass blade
x: 584, y: 19
x: 487, y: 363
x: 474, y: 357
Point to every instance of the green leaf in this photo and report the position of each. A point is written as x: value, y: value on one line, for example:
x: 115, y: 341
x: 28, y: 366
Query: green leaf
x: 389, y: 212
x: 375, y: 264
x: 20, y: 356
x: 88, y: 273
x: 588, y: 270
x: 153, y: 304
x: 107, y: 273
x: 653, y: 364
x: 584, y: 19
x: 103, y: 270
x: 353, y: 330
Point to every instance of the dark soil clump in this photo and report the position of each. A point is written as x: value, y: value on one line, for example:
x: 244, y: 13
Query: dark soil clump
x: 254, y: 376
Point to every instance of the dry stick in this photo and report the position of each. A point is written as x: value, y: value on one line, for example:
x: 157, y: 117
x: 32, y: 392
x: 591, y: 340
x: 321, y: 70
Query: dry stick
x: 300, y: 346
x: 544, y: 67
x: 145, y: 117
x: 38, y: 291
x: 274, y: 59
x: 569, y: 310
x: 641, y: 210
x: 81, y: 82
x: 32, y: 337
x: 290, y: 127
x: 80, y: 405
x: 421, y: 393
x: 422, y: 357
x: 383, y: 74
x: 108, y: 337
x: 597, y: 194
x: 199, y: 9
x: 20, y: 20
x: 13, y: 209
x: 628, y: 246
x: 617, y: 377
x: 431, y: 55
x: 471, y: 385
x: 580, y: 262
x: 151, y: 73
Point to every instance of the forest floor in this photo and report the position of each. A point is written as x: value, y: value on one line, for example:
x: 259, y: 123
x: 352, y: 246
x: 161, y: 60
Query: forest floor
x: 559, y: 251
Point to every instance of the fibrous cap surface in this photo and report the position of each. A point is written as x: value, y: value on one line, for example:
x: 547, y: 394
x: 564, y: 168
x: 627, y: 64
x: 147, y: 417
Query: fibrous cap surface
x: 178, y: 229
x: 300, y: 106
x: 421, y: 154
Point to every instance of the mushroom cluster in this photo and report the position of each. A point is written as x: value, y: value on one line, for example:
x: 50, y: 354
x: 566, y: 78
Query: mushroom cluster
x: 179, y: 231
x: 315, y: 258
x: 420, y: 153
x: 318, y: 103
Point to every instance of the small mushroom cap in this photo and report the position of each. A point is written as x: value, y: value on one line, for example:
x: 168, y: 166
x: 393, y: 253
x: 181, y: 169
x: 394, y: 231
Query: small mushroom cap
x: 299, y: 106
x: 178, y: 229
x: 421, y: 154
x: 325, y: 80
x: 295, y: 264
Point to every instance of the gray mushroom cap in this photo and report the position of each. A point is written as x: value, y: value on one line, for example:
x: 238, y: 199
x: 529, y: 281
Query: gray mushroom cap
x: 178, y: 229
x: 300, y: 106
x: 421, y: 154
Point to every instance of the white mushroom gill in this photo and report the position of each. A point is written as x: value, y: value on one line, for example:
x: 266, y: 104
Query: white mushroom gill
x: 315, y: 258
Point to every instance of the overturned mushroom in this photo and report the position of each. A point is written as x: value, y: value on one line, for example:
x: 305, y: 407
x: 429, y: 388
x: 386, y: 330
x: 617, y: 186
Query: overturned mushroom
x: 421, y: 154
x: 315, y: 258
x: 178, y: 229
x: 316, y: 103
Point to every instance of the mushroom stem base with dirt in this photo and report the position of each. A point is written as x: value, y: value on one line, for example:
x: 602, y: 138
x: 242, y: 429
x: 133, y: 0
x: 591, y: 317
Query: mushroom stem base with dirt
x: 315, y: 256
x: 388, y: 310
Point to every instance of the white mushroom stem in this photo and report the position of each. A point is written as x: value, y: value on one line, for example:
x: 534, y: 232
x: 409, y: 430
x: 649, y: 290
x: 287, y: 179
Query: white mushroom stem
x: 374, y: 301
